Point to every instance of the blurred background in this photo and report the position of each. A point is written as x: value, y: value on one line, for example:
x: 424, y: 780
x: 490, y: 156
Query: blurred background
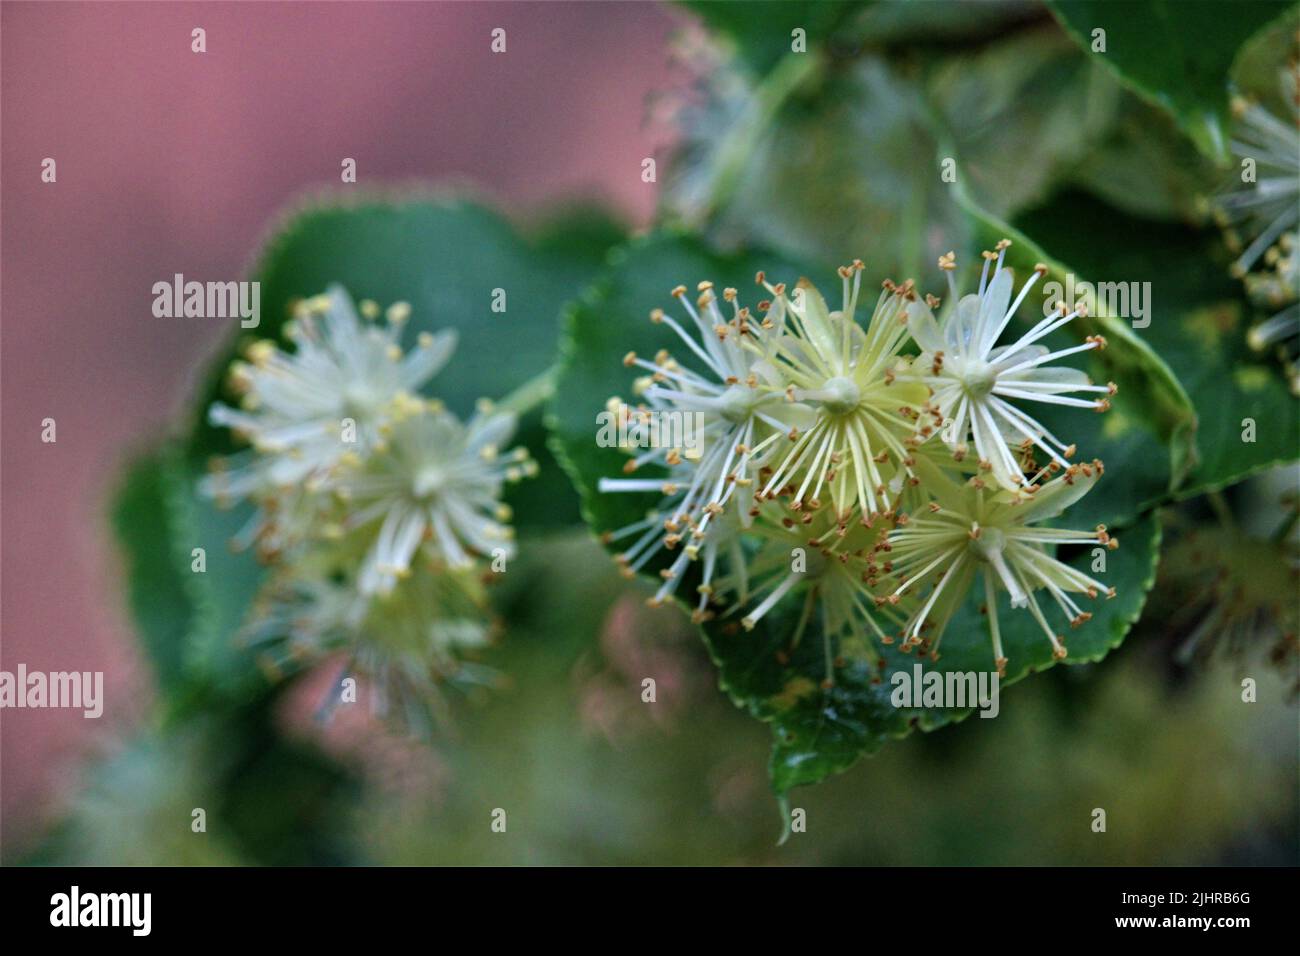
x: 173, y: 162
x: 169, y: 162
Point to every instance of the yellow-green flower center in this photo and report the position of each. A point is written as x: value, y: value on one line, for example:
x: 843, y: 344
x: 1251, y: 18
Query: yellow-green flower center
x: 842, y: 395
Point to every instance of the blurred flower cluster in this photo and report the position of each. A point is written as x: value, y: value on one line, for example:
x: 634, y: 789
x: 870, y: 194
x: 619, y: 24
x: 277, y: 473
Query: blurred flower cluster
x: 1260, y: 219
x: 374, y: 505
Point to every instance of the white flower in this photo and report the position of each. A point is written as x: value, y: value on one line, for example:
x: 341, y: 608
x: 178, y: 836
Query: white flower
x: 664, y: 528
x: 296, y: 405
x: 858, y: 447
x: 1271, y: 206
x: 435, y: 484
x: 740, y: 401
x: 969, y: 528
x: 833, y: 567
x: 1265, y: 215
x: 376, y: 503
x: 978, y: 385
x: 1277, y: 286
x: 808, y: 401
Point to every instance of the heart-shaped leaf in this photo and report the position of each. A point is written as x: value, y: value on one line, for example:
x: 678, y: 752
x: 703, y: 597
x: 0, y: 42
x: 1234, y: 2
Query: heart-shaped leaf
x: 1177, y: 55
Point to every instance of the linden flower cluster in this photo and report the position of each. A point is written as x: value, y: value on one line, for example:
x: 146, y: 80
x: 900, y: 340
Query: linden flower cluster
x: 1261, y: 221
x: 374, y: 505
x: 880, y: 467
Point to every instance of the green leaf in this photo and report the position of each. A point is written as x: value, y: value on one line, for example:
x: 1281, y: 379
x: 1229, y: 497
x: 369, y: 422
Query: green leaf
x: 1264, y: 58
x: 820, y: 732
x: 817, y: 732
x: 1198, y: 328
x: 1021, y: 113
x: 846, y: 167
x: 913, y: 25
x: 1031, y: 112
x: 156, y: 590
x: 1177, y: 55
x: 762, y: 32
x: 187, y: 618
x: 1145, y: 166
x: 217, y: 662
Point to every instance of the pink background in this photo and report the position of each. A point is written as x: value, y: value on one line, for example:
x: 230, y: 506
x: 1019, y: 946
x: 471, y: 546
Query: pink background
x: 171, y: 161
